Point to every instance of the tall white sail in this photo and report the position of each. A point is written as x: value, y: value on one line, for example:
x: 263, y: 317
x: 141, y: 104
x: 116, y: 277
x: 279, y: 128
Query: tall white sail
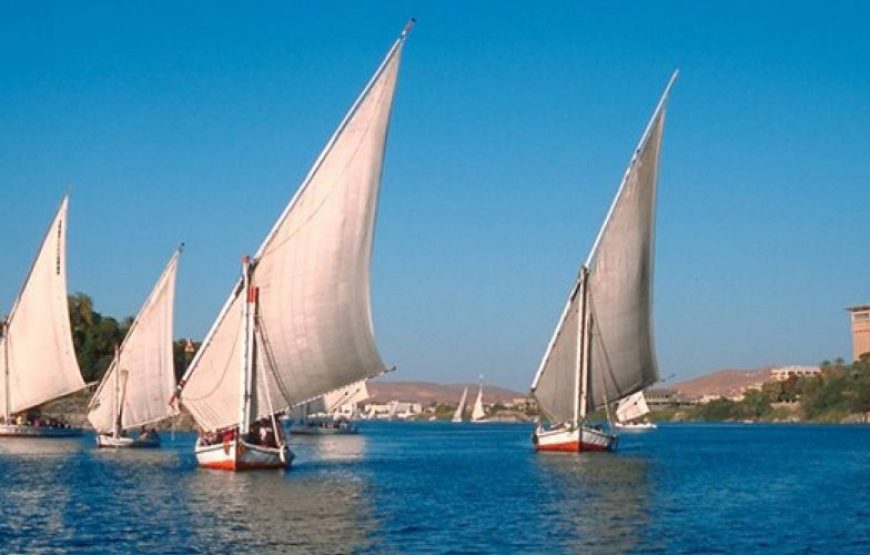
x: 460, y: 409
x: 144, y: 360
x: 615, y: 298
x: 620, y: 268
x: 313, y: 325
x: 477, y: 413
x: 632, y: 407
x: 36, y: 355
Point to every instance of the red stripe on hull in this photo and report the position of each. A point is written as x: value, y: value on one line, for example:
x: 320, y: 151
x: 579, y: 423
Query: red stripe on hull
x: 573, y: 447
x: 237, y: 465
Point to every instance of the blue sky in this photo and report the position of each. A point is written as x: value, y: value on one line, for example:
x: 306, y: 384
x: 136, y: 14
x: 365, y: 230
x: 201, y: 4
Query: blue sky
x: 512, y: 125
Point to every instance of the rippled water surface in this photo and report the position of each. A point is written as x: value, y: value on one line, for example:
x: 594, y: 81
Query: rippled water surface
x: 442, y: 488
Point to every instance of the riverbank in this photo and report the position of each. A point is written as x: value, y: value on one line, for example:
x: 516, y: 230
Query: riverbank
x: 73, y: 409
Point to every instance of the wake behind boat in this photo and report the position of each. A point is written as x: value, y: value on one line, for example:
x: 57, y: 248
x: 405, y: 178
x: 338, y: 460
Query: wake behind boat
x: 298, y: 322
x: 602, y: 349
x: 36, y: 350
x: 135, y: 390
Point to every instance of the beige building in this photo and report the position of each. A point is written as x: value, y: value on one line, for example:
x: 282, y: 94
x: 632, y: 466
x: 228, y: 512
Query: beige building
x: 783, y: 373
x: 860, y: 330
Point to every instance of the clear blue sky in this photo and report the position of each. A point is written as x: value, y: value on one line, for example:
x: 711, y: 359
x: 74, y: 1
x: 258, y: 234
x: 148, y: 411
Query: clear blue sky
x: 512, y: 125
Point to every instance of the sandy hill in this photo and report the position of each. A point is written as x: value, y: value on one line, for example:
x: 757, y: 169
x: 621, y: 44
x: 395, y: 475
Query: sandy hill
x: 723, y: 382
x: 425, y: 392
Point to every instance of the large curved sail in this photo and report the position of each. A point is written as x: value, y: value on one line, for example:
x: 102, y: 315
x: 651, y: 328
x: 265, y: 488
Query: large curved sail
x: 623, y: 359
x: 37, y: 355
x: 314, y: 325
x: 144, y: 362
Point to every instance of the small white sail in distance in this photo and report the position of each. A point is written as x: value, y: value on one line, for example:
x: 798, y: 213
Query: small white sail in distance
x: 477, y: 413
x: 632, y: 408
x: 145, y: 359
x: 460, y: 408
x: 313, y: 325
x: 618, y: 292
x: 37, y: 356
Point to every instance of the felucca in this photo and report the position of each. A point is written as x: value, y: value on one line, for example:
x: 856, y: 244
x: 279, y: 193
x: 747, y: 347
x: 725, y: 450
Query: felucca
x: 135, y: 390
x: 298, y: 322
x: 478, y: 415
x: 628, y: 414
x: 602, y: 349
x: 460, y: 409
x: 36, y: 351
x: 334, y: 413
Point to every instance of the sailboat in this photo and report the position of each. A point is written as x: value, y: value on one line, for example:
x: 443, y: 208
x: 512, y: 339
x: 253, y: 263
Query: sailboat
x: 602, y: 349
x: 460, y: 409
x: 630, y: 410
x: 332, y: 414
x: 36, y: 350
x: 298, y: 322
x: 135, y: 390
x: 478, y: 415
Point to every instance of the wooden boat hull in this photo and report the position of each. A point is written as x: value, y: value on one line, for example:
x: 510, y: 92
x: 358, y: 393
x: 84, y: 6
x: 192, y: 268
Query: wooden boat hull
x: 108, y: 441
x: 13, y: 430
x: 573, y: 440
x: 239, y: 455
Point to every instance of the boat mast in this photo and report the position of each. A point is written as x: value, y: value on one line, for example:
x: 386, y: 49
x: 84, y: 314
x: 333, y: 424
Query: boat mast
x: 581, y: 363
x: 247, y: 347
x: 7, y: 406
x: 116, y: 403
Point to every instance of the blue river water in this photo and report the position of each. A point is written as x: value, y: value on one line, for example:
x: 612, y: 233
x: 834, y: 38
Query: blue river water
x: 443, y: 488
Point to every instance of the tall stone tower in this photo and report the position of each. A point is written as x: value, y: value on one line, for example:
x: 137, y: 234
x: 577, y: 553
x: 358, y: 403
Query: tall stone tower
x: 860, y: 330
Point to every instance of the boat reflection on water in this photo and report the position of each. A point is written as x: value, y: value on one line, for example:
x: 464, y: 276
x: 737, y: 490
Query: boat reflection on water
x: 329, y: 448
x: 599, y: 503
x: 32, y: 493
x: 38, y: 447
x: 277, y: 512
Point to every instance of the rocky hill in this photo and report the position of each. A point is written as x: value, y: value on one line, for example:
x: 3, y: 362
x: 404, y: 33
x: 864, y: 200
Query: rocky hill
x: 722, y: 382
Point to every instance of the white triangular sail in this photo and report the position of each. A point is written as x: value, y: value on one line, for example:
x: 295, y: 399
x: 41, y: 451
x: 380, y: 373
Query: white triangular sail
x: 460, y: 409
x: 352, y: 394
x: 477, y: 413
x: 632, y: 407
x: 313, y: 325
x: 145, y: 359
x: 37, y: 357
x: 615, y: 298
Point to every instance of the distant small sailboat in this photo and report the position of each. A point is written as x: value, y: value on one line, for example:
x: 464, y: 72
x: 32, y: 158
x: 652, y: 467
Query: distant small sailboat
x: 332, y: 414
x: 628, y: 414
x: 602, y: 349
x: 36, y: 350
x: 298, y: 322
x: 135, y: 390
x: 478, y: 415
x: 460, y: 409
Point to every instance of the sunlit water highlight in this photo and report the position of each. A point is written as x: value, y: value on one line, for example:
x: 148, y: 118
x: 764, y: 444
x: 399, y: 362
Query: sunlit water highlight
x: 442, y: 488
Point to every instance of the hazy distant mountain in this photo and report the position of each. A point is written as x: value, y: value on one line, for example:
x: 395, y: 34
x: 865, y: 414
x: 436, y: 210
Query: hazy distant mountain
x: 425, y: 392
x: 722, y: 382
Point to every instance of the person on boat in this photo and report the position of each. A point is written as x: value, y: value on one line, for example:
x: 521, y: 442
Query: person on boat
x: 228, y: 435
